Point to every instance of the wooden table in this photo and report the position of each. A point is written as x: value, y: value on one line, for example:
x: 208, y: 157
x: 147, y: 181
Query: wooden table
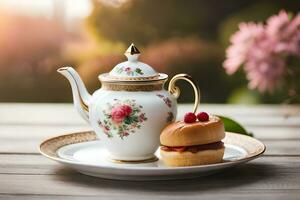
x: 25, y: 174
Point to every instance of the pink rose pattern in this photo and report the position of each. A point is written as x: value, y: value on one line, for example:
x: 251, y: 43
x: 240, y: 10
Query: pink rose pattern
x: 168, y: 102
x: 170, y: 117
x: 118, y: 114
x: 130, y: 71
x: 122, y: 117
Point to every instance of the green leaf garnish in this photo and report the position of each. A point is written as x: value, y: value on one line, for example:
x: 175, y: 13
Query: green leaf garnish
x: 233, y: 126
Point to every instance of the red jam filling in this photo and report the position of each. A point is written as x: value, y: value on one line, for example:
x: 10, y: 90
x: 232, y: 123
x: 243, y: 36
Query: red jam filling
x: 195, y: 148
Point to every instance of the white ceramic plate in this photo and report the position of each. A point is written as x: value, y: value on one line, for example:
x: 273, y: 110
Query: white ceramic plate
x: 83, y: 152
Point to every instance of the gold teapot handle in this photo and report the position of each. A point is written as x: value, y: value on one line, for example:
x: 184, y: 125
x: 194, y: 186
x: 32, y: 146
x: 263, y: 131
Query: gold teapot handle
x: 174, y: 90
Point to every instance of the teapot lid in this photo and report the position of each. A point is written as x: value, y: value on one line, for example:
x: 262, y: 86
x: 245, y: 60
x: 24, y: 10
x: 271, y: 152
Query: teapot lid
x: 132, y: 69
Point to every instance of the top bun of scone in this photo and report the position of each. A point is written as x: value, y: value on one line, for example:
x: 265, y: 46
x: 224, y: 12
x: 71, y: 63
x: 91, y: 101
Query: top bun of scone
x: 196, y: 133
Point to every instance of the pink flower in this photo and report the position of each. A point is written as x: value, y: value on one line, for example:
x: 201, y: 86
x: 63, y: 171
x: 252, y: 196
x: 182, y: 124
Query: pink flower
x: 127, y: 69
x: 119, y: 113
x: 285, y: 32
x: 124, y: 134
x: 127, y: 109
x: 263, y: 50
x: 106, y: 129
x: 142, y: 117
x: 264, y: 67
x: 241, y: 42
x: 277, y: 24
x: 265, y: 74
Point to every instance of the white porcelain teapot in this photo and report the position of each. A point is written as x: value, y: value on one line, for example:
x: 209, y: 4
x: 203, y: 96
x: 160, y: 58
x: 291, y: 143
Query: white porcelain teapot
x: 131, y: 108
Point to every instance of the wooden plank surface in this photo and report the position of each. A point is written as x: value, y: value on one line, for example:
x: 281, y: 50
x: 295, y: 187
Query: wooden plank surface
x: 252, y: 194
x: 24, y: 174
x: 265, y: 174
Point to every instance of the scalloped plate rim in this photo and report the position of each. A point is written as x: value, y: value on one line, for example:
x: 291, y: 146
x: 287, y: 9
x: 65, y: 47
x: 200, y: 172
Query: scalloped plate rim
x: 75, y: 164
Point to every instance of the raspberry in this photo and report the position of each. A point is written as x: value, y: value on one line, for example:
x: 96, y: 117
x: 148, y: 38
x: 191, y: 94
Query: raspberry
x: 189, y: 117
x: 203, y: 116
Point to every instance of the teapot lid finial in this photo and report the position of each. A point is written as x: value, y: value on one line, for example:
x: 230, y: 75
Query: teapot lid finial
x: 132, y: 69
x: 132, y: 53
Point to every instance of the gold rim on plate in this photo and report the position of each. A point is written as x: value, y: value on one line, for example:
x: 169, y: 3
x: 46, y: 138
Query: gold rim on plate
x: 49, y: 147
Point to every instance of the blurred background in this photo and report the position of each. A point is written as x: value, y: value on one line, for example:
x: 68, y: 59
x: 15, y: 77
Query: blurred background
x: 174, y: 36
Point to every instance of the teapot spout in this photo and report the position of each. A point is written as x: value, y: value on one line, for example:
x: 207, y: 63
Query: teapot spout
x: 81, y: 97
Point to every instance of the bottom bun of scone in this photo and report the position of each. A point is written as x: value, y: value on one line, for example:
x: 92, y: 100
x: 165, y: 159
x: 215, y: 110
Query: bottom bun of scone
x: 187, y: 158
